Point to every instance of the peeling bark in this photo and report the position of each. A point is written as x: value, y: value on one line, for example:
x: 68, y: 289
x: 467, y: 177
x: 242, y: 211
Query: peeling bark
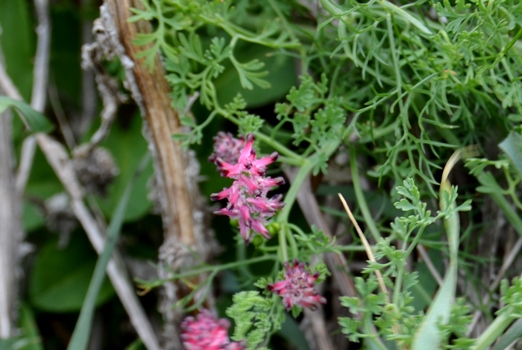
x: 176, y: 170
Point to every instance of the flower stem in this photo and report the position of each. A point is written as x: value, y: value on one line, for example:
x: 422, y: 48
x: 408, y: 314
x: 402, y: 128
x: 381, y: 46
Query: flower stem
x: 207, y: 268
x: 359, y: 195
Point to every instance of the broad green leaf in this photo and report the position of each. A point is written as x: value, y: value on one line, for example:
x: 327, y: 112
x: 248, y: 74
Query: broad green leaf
x: 127, y: 158
x: 17, y: 43
x: 82, y: 331
x: 60, y: 277
x: 136, y: 345
x: 512, y: 146
x: 33, y: 120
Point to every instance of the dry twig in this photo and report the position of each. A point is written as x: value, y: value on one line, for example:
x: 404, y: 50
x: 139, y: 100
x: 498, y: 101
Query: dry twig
x: 10, y: 228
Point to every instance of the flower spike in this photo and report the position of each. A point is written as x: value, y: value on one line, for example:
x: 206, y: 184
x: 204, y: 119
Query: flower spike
x: 247, y: 197
x: 204, y: 332
x: 298, y: 287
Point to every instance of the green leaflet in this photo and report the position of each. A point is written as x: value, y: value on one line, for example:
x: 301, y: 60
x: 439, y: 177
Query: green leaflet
x: 82, y: 331
x: 33, y: 120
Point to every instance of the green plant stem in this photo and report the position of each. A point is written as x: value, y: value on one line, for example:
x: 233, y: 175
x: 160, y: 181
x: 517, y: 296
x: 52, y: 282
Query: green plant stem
x: 493, y: 332
x: 295, y: 159
x: 359, y: 196
x: 290, y: 157
x: 307, y: 166
x: 291, y: 195
x: 283, y: 250
x: 405, y: 16
x: 401, y: 270
x: 293, y: 244
x: 511, y: 43
x: 373, y: 343
x: 204, y: 269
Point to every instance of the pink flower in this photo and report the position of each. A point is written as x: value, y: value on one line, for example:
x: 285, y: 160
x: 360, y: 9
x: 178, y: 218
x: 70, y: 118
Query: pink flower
x: 227, y: 148
x: 206, y: 333
x: 298, y: 287
x: 247, y: 196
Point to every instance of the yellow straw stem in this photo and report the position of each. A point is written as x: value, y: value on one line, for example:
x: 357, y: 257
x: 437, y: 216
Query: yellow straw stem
x: 366, y: 245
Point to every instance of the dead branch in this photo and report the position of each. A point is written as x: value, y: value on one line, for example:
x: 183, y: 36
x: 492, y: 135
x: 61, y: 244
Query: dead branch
x: 176, y: 171
x: 10, y: 231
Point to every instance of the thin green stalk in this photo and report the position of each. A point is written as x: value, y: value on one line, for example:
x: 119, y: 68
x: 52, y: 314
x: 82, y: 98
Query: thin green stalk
x: 359, y: 196
x: 291, y: 195
x: 397, y: 288
x: 406, y: 16
x: 291, y: 157
x: 400, y: 274
x: 296, y: 159
x: 372, y: 343
x: 204, y: 269
x: 293, y: 244
x: 283, y: 250
x: 512, y: 42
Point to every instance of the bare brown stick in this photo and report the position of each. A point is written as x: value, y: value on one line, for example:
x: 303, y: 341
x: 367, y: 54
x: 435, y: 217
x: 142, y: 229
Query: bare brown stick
x: 41, y: 64
x: 162, y: 121
x: 88, y: 113
x: 40, y: 79
x: 10, y: 230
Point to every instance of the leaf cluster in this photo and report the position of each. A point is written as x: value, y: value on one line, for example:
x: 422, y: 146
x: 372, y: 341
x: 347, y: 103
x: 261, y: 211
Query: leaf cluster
x: 255, y: 318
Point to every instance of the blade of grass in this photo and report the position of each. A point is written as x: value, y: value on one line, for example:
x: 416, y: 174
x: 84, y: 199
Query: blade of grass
x: 512, y: 146
x: 33, y: 120
x: 513, y: 333
x: 493, y: 332
x: 428, y: 337
x: 82, y: 330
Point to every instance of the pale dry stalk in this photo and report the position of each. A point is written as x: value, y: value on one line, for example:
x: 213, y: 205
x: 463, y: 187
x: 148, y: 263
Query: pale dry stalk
x: 176, y: 171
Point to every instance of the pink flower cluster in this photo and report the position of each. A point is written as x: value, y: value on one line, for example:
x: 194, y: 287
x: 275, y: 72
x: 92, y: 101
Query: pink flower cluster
x: 206, y: 333
x: 227, y: 147
x: 298, y: 287
x: 247, y: 197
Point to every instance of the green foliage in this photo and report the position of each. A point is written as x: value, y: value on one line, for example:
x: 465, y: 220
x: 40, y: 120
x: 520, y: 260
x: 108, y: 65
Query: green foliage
x: 33, y: 120
x: 17, y: 43
x: 511, y: 298
x: 315, y: 116
x: 82, y: 331
x: 127, y: 159
x: 255, y: 318
x: 389, y: 89
x: 396, y: 319
x: 60, y: 277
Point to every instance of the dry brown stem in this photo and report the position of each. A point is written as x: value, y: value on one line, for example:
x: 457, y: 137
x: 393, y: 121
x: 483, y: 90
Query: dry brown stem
x: 176, y: 171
